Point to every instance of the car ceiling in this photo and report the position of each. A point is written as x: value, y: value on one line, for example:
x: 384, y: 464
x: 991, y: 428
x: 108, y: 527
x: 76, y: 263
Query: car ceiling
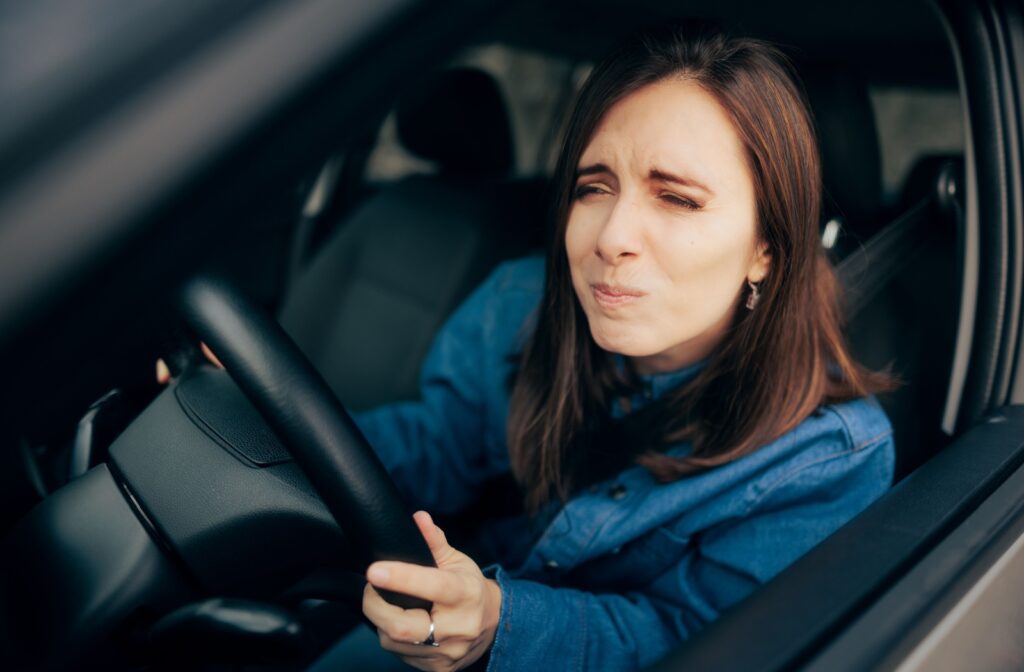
x: 892, y: 42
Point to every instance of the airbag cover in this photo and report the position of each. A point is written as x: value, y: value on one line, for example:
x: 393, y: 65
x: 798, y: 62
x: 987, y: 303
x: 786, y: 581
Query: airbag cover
x: 220, y: 409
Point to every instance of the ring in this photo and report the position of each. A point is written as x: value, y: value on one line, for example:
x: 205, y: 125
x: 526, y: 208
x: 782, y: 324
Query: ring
x: 429, y: 641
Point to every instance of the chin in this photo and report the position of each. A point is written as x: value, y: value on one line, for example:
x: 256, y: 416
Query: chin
x: 623, y: 342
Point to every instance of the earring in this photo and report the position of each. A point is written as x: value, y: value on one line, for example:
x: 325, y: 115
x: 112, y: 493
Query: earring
x: 754, y: 296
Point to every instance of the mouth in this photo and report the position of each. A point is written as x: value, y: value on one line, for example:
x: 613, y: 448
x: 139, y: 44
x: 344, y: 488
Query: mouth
x: 615, y: 295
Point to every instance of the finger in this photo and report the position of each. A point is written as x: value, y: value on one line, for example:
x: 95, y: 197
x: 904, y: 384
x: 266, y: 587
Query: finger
x: 402, y: 625
x: 163, y: 374
x: 209, y: 355
x: 389, y: 643
x: 431, y: 657
x: 429, y: 583
x: 434, y: 536
x: 417, y: 655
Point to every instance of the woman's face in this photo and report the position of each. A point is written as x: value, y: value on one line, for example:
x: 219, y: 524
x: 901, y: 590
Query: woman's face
x: 662, y: 235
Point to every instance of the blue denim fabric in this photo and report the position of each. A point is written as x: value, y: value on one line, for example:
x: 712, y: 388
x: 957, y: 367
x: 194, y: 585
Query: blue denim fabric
x: 626, y: 570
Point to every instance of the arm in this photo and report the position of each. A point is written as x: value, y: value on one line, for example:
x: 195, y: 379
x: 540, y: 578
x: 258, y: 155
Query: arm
x: 719, y: 568
x: 440, y: 448
x: 537, y: 624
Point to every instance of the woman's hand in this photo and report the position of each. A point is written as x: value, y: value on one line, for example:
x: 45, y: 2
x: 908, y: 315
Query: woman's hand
x: 466, y: 606
x: 163, y: 373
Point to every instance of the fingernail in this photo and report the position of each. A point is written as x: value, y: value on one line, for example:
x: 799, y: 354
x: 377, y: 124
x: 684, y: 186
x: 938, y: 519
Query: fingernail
x: 377, y: 573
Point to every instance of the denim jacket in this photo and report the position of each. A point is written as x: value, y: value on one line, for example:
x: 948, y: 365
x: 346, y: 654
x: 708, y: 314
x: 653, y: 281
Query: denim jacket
x: 628, y: 568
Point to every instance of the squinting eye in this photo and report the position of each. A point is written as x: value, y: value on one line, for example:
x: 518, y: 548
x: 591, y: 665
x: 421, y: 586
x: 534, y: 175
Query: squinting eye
x: 680, y: 201
x: 587, y: 190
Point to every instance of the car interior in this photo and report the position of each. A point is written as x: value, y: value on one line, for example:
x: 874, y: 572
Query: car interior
x: 361, y: 271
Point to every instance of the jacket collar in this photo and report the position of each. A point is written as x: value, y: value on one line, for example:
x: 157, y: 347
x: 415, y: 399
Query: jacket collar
x: 655, y: 385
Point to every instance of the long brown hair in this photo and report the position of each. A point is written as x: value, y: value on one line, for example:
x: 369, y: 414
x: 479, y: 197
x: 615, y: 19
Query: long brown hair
x: 775, y: 365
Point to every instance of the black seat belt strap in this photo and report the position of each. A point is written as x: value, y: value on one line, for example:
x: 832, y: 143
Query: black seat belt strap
x: 868, y: 270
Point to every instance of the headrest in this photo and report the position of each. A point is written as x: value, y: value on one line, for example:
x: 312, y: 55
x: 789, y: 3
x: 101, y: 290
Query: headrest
x: 851, y: 159
x: 457, y: 118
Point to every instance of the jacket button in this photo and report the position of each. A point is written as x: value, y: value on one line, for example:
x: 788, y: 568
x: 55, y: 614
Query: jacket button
x: 617, y: 491
x: 551, y: 564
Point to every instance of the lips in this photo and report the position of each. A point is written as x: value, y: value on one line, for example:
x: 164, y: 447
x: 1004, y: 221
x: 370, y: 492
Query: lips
x: 616, y: 295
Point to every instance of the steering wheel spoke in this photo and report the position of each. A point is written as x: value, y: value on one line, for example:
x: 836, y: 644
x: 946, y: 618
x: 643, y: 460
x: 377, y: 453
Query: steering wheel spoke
x: 310, y: 421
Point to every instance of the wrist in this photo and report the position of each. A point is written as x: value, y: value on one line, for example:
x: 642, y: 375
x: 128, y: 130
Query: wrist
x: 493, y: 614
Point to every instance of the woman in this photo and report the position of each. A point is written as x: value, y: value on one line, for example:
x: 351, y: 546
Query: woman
x: 670, y: 387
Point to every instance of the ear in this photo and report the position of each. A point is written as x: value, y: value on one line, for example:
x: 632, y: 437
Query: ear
x: 761, y: 263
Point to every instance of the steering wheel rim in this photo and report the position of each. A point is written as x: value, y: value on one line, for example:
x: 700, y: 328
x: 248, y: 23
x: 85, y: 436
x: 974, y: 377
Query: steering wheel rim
x: 311, y: 423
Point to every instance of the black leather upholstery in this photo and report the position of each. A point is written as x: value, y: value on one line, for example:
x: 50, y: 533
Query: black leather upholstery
x: 372, y: 299
x: 850, y: 154
x: 910, y: 322
x: 458, y: 119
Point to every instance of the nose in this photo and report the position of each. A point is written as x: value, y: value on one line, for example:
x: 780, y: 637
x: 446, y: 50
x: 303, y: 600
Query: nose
x: 620, y: 238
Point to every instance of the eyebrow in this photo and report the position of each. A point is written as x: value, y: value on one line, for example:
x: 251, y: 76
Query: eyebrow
x: 594, y: 169
x: 660, y: 175
x: 655, y: 174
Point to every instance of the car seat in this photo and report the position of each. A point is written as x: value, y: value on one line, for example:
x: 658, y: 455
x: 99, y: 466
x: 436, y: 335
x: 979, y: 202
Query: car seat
x: 900, y: 266
x: 366, y: 308
x: 909, y: 321
x: 850, y: 156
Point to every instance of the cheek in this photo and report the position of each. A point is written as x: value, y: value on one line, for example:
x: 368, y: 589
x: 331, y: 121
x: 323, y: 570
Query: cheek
x: 576, y: 230
x: 579, y: 239
x: 705, y: 270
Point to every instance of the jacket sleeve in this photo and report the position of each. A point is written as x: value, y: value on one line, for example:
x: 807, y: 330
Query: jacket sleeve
x: 435, y: 448
x: 577, y: 630
x: 718, y: 568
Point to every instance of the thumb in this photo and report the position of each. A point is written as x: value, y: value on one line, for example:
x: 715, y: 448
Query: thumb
x: 432, y: 534
x: 209, y: 355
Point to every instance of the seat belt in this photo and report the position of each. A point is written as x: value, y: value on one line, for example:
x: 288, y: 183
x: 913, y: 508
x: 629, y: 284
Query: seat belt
x: 869, y: 270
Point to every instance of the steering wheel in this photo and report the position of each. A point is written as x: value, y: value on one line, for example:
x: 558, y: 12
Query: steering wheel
x: 311, y: 423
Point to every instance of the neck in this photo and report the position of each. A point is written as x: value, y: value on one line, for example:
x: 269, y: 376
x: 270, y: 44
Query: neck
x: 669, y: 360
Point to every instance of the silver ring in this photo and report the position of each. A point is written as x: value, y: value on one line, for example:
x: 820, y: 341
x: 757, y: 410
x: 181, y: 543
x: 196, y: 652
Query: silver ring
x: 429, y: 641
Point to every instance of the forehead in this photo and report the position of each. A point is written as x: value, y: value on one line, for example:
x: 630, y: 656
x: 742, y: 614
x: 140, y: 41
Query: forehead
x: 673, y: 123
